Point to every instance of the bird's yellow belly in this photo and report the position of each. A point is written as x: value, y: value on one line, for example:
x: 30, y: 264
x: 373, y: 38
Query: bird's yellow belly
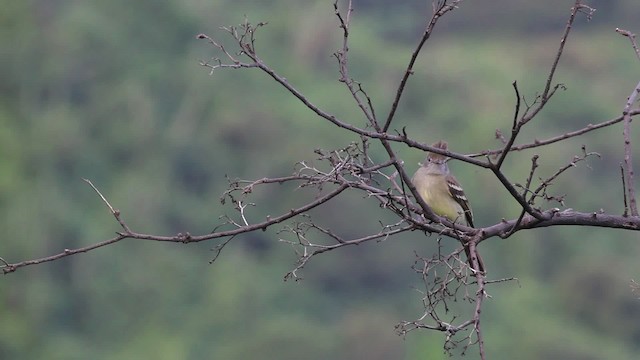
x: 440, y: 201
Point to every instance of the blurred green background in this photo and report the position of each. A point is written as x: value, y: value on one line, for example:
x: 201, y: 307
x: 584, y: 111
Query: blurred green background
x: 112, y: 91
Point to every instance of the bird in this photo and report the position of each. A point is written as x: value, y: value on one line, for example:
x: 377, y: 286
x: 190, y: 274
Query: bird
x: 439, y: 189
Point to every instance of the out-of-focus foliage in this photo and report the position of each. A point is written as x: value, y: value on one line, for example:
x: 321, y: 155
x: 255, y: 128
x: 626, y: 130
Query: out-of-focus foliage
x: 112, y: 91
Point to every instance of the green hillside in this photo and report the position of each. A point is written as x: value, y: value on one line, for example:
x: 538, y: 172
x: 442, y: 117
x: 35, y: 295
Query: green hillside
x: 113, y: 91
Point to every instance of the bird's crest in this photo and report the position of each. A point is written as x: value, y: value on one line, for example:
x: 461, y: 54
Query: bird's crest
x: 437, y: 157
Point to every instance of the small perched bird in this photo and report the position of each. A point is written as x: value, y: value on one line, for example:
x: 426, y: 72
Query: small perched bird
x: 443, y: 193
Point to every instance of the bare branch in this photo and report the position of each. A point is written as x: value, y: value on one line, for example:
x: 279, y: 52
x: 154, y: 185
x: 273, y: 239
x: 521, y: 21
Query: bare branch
x: 8, y: 268
x: 624, y: 192
x: 180, y: 238
x: 355, y: 88
x: 480, y: 295
x: 554, y: 217
x: 514, y: 193
x: 632, y: 39
x: 578, y: 6
x: 628, y: 154
x: 540, y: 143
x: 310, y: 250
x: 440, y: 8
x: 447, y: 278
x: 548, y: 91
x: 545, y: 183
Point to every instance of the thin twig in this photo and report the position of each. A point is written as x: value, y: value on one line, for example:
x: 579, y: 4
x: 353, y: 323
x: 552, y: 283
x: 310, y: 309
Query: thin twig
x: 114, y: 212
